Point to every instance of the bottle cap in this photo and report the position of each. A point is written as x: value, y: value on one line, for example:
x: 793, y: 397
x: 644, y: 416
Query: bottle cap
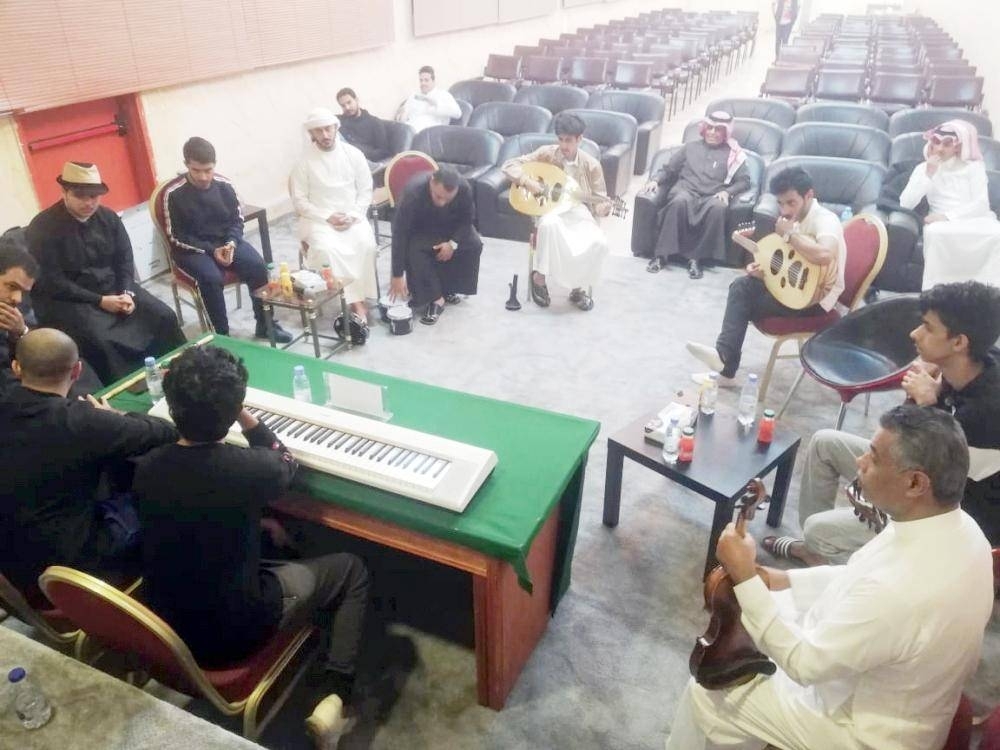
x: 688, y: 431
x: 270, y: 265
x: 16, y: 674
x: 149, y: 361
x: 675, y: 420
x: 752, y: 378
x: 299, y: 370
x: 769, y: 413
x: 713, y: 375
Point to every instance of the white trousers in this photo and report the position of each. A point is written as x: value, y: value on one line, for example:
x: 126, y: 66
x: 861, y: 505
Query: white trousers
x: 570, y: 248
x: 962, y: 250
x: 350, y: 255
x: 767, y: 710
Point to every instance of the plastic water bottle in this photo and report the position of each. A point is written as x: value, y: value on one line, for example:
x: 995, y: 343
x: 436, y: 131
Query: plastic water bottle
x: 154, y: 379
x: 748, y: 401
x: 672, y: 441
x: 30, y: 704
x: 301, y: 389
x: 846, y: 215
x: 709, y: 394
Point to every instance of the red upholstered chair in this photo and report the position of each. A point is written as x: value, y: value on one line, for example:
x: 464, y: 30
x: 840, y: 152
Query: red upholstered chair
x: 867, y: 242
x: 48, y: 622
x: 960, y: 736
x: 122, y: 623
x: 179, y: 279
x: 403, y: 168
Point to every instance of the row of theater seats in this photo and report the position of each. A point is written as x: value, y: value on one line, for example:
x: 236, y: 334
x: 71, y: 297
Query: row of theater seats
x: 666, y: 52
x: 850, y: 165
x: 893, y: 63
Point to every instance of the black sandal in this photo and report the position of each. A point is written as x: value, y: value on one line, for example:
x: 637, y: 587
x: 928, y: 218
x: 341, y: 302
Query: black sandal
x: 432, y: 313
x: 540, y: 293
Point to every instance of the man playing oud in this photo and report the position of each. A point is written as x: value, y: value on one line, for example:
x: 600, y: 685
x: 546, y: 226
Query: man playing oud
x: 814, y: 232
x: 570, y: 246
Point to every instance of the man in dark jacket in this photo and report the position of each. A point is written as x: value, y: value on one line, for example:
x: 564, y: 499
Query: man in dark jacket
x: 362, y: 129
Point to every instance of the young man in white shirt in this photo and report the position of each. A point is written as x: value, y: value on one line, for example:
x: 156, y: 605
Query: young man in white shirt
x: 874, y: 653
x: 816, y: 234
x: 431, y: 106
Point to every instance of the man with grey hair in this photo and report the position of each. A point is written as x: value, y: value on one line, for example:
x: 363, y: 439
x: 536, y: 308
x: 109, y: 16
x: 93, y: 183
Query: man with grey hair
x: 54, y: 507
x: 873, y: 653
x: 331, y: 189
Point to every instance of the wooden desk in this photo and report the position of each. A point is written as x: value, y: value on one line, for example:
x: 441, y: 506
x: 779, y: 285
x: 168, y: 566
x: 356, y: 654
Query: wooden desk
x: 726, y: 457
x: 515, y: 538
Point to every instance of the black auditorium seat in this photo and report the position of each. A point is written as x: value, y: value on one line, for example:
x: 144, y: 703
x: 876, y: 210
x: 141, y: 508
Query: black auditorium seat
x: 792, y: 85
x: 476, y: 92
x: 955, y: 91
x: 925, y: 118
x: 466, y: 108
x: 840, y: 85
x: 780, y: 113
x: 471, y: 151
x: 542, y: 69
x: 509, y: 118
x: 892, y: 92
x: 646, y: 107
x: 838, y: 182
x: 554, y: 98
x: 615, y: 133
x: 647, y: 210
x: 503, y: 67
x: 587, y: 71
x: 848, y: 114
x: 837, y: 139
x: 494, y: 215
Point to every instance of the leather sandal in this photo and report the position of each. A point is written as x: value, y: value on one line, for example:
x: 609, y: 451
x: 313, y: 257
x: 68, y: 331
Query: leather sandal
x: 694, y: 270
x: 452, y: 299
x: 656, y: 265
x: 780, y: 547
x: 432, y: 313
x: 540, y: 293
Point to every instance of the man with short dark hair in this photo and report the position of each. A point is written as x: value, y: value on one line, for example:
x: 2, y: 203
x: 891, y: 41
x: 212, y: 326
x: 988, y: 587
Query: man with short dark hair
x: 874, y: 653
x: 87, y: 285
x: 202, y: 504
x: 18, y: 271
x: 54, y: 506
x: 701, y: 177
x: 816, y: 234
x: 435, y: 247
x: 955, y: 373
x: 204, y: 226
x: 362, y: 129
x: 430, y: 106
x: 570, y: 247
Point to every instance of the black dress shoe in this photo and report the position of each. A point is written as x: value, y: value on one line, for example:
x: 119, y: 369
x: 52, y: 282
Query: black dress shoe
x: 656, y: 265
x: 694, y: 270
x: 281, y: 336
x: 540, y: 293
x: 432, y: 313
x: 452, y: 299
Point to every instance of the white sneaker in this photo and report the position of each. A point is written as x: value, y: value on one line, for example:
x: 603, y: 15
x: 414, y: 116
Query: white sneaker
x: 706, y: 354
x: 702, y: 377
x: 328, y: 724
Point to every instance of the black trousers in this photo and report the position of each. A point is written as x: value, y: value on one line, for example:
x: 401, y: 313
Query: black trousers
x: 749, y: 300
x: 693, y: 226
x: 429, y: 279
x: 249, y: 267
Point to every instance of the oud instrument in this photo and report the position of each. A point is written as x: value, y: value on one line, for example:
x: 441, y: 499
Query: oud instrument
x: 725, y: 656
x: 791, y: 279
x: 560, y: 192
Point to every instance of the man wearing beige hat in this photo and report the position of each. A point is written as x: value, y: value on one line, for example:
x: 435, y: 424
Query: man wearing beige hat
x: 87, y: 286
x: 331, y: 189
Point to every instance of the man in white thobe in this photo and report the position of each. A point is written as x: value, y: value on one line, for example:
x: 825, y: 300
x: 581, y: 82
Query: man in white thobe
x: 874, y: 653
x: 331, y: 189
x: 431, y: 106
x: 570, y: 247
x: 961, y: 233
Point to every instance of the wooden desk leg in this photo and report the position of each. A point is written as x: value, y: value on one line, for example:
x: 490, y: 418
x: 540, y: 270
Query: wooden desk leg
x: 613, y: 483
x: 782, y: 478
x: 723, y: 515
x: 509, y: 621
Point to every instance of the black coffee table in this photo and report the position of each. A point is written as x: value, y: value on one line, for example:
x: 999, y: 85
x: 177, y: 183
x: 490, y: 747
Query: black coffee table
x: 726, y: 457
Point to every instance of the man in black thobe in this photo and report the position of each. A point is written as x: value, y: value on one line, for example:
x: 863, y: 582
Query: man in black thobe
x: 88, y: 287
x: 702, y: 176
x: 57, y: 505
x: 362, y: 129
x: 435, y: 248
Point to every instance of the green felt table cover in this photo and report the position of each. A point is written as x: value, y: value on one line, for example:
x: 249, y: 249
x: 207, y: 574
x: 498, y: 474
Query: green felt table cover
x: 541, y: 458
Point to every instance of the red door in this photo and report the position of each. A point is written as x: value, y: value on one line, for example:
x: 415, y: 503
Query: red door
x: 109, y: 133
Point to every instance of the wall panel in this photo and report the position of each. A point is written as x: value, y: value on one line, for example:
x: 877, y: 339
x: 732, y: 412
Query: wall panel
x: 439, y: 16
x: 516, y: 10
